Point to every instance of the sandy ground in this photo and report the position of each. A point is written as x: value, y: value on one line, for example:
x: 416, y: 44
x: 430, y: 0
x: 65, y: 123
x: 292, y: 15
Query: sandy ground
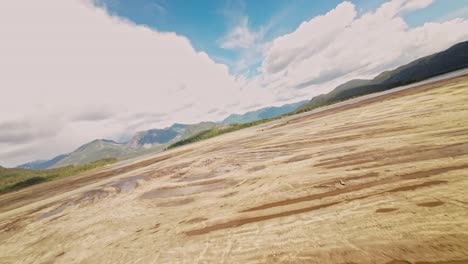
x: 381, y: 180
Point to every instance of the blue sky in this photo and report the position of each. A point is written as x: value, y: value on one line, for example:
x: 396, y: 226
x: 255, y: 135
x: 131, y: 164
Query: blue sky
x: 206, y: 22
x: 110, y: 68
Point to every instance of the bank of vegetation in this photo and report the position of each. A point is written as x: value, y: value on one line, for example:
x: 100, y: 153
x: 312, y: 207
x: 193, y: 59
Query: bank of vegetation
x: 12, y: 179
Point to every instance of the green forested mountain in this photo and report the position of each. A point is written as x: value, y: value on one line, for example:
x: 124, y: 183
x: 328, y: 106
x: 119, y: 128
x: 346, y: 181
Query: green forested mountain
x: 452, y: 59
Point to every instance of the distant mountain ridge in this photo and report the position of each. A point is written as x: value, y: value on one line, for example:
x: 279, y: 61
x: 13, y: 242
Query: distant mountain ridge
x: 42, y: 164
x: 452, y: 59
x: 264, y: 113
x: 141, y: 143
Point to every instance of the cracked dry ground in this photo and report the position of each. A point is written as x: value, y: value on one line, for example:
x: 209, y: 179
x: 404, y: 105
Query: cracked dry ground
x: 382, y: 180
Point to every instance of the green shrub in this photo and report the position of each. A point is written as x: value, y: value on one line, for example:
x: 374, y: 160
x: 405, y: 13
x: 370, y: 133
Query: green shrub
x: 28, y: 182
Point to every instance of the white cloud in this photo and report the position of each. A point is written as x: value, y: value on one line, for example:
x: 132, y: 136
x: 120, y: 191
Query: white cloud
x: 71, y: 73
x: 249, y: 44
x: 68, y: 65
x: 340, y: 45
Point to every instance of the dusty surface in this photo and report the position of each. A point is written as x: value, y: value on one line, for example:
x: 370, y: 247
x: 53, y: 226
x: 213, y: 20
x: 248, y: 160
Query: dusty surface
x: 380, y: 180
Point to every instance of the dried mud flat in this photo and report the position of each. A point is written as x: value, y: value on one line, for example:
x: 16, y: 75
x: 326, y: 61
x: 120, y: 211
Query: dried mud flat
x: 380, y: 180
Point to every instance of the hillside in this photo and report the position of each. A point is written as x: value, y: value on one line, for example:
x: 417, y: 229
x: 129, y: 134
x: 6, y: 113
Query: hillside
x: 12, y: 179
x: 92, y: 151
x: 167, y: 135
x: 454, y: 58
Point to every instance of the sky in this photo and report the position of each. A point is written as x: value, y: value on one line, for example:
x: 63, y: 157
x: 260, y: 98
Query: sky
x: 75, y: 70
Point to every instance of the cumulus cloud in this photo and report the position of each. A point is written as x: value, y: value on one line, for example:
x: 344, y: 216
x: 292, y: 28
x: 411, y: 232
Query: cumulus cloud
x: 62, y: 60
x: 72, y: 73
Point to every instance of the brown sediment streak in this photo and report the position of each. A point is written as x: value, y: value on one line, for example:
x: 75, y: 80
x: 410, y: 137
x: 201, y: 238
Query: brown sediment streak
x: 409, y: 176
x: 385, y: 210
x: 431, y: 204
x: 358, y: 177
x: 416, y: 186
x: 353, y: 126
x: 257, y: 168
x: 452, y: 133
x: 243, y: 221
x: 176, y: 203
x: 298, y: 158
x: 195, y: 220
x: 465, y: 261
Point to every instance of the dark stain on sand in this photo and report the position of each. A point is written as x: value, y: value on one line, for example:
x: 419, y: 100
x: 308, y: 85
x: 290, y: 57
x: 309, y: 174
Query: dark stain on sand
x: 431, y: 204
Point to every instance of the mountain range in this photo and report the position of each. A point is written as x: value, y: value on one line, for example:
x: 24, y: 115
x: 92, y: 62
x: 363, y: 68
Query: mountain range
x: 150, y: 141
x: 264, y: 113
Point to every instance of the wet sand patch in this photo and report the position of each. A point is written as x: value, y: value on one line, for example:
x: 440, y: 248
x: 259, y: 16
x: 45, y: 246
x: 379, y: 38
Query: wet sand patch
x: 257, y: 168
x: 92, y: 196
x: 127, y: 184
x: 53, y: 212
